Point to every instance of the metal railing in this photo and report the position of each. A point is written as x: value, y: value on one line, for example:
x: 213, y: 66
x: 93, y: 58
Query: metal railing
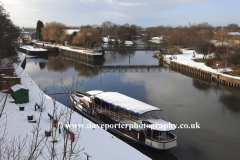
x: 117, y: 116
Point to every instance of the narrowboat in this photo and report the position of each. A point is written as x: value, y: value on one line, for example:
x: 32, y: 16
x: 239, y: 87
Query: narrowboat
x: 132, y: 119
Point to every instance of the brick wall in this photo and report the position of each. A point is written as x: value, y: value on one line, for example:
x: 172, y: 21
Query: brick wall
x: 7, y: 71
x: 4, y: 85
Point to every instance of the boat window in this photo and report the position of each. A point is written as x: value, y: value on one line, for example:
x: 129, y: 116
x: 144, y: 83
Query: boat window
x: 105, y: 105
x: 154, y: 114
x: 123, y: 112
x: 115, y: 109
x: 134, y: 116
x: 111, y: 107
x: 146, y: 115
x: 98, y: 101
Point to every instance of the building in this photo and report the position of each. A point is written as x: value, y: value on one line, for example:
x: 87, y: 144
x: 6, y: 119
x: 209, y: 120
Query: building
x: 20, y: 93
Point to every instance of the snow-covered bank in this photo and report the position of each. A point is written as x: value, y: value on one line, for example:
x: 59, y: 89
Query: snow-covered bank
x: 187, y: 59
x: 98, y: 143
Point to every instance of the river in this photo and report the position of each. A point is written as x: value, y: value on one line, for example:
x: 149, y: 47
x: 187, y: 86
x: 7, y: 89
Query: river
x: 183, y: 99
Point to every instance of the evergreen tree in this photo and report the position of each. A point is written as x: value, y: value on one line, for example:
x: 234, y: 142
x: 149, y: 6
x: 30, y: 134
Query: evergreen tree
x: 72, y: 36
x: 39, y: 30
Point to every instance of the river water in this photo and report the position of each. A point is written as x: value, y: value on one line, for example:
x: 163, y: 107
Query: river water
x: 184, y: 100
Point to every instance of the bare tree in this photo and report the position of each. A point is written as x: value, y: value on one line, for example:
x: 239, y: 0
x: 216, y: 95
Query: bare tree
x: 53, y: 31
x: 85, y: 35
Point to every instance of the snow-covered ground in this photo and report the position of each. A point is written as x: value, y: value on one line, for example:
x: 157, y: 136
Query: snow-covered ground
x: 98, y: 143
x: 71, y: 49
x: 187, y: 59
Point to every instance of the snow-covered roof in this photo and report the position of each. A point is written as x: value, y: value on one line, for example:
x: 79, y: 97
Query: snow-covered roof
x: 128, y: 42
x: 25, y: 32
x: 94, y: 92
x: 75, y: 50
x: 157, y: 38
x: 17, y: 87
x: 125, y: 102
x: 24, y: 37
x: 70, y: 31
x: 233, y: 33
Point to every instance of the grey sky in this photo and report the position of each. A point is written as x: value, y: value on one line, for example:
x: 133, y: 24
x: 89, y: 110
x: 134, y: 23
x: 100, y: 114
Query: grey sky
x: 140, y: 12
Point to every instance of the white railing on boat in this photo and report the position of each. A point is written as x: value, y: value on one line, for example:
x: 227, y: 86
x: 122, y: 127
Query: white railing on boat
x: 117, y: 116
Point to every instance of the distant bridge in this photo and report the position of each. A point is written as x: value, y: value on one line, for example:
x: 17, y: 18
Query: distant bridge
x: 120, y: 68
x: 135, y: 47
x: 129, y: 68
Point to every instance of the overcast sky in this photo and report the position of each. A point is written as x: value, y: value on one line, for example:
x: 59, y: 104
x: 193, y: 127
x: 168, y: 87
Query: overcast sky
x: 145, y: 13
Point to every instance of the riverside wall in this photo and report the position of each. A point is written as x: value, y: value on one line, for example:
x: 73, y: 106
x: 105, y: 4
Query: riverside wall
x: 79, y: 55
x: 205, y: 75
x: 34, y: 53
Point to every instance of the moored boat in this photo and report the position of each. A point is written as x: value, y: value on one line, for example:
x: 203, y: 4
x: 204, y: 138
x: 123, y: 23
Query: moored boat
x: 131, y: 118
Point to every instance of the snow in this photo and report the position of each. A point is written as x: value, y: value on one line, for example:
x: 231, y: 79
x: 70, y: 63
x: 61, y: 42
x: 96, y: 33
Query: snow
x: 90, y: 52
x: 125, y: 102
x: 96, y: 142
x: 233, y: 33
x: 17, y: 87
x: 31, y: 48
x: 4, y: 63
x: 70, y: 31
x: 94, y: 92
x: 106, y: 39
x: 128, y: 43
x: 187, y: 59
x: 156, y: 39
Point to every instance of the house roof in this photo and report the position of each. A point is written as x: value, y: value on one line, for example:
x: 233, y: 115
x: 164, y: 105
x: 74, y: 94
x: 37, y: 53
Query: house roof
x: 17, y: 87
x: 34, y: 34
x: 233, y: 33
x: 70, y: 31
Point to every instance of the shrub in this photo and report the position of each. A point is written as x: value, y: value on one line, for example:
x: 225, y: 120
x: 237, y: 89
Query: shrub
x: 212, y: 63
x: 237, y: 71
x: 175, y: 51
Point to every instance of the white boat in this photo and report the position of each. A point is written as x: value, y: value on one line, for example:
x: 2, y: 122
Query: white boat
x: 133, y: 119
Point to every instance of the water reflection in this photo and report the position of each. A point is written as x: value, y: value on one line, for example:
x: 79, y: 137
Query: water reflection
x: 58, y: 64
x: 201, y: 85
x: 42, y: 65
x: 228, y: 97
x: 84, y: 70
x: 231, y: 101
x: 130, y: 58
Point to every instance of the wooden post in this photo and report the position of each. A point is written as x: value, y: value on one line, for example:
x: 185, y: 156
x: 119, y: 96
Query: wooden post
x: 72, y: 140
